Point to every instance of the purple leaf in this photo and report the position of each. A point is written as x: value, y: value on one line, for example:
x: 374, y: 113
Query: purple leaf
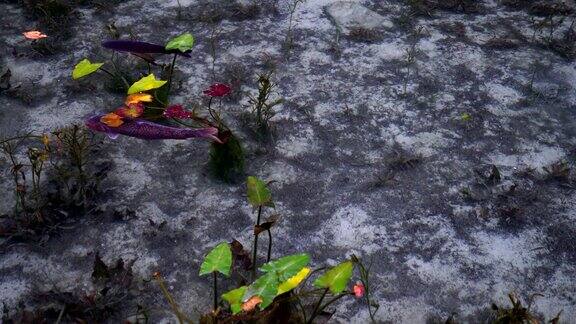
x: 139, y: 47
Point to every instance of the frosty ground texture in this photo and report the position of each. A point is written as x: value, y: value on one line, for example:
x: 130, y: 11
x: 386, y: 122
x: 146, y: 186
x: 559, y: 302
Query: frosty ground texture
x: 384, y: 125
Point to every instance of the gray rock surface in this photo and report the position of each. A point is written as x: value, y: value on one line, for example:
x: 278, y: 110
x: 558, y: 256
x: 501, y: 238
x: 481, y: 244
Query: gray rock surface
x: 348, y: 15
x: 373, y: 152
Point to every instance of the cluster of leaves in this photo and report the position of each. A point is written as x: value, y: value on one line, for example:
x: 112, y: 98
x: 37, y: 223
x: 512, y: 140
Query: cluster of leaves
x: 57, y: 178
x: 148, y: 98
x: 111, y: 288
x: 280, y: 291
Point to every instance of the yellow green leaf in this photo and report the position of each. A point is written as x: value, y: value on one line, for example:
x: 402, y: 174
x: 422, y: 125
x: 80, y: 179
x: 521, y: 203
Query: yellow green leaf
x: 146, y: 83
x: 294, y: 281
x: 84, y: 68
x: 336, y: 278
x: 234, y: 298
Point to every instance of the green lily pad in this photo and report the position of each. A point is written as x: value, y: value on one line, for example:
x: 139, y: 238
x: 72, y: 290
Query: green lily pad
x: 219, y: 259
x: 183, y: 43
x: 336, y: 278
x: 146, y: 83
x: 84, y: 68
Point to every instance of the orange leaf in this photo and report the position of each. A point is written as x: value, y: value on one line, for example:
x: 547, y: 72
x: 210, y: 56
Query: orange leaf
x: 251, y: 303
x: 131, y: 111
x: 137, y: 98
x: 34, y: 34
x: 112, y: 120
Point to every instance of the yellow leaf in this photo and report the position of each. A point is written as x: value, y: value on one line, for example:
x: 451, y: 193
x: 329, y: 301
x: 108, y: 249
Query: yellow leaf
x: 294, y: 281
x: 146, y: 83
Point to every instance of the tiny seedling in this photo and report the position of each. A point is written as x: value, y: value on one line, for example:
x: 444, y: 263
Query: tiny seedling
x: 289, y: 41
x: 259, y: 196
x: 218, y: 260
x: 262, y: 105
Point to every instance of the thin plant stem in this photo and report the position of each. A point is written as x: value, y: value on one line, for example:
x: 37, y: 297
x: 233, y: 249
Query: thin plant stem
x: 171, y: 72
x: 314, y: 313
x: 255, y: 248
x: 181, y: 317
x: 215, y: 291
x: 269, y: 246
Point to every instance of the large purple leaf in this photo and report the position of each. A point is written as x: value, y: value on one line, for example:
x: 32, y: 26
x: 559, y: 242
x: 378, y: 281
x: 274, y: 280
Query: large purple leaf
x: 139, y: 47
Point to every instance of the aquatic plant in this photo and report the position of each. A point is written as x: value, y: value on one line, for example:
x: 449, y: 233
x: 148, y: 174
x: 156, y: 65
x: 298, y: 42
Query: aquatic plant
x: 148, y: 114
x: 280, y: 292
x: 217, y: 260
x: 259, y: 196
x: 54, y: 177
x: 262, y: 106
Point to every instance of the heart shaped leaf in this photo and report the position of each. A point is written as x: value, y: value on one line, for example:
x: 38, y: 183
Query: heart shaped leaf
x: 183, y: 43
x: 287, y: 266
x: 219, y: 259
x: 258, y: 193
x: 146, y: 83
x: 336, y: 278
x: 234, y: 298
x: 265, y: 287
x: 294, y: 281
x: 84, y: 68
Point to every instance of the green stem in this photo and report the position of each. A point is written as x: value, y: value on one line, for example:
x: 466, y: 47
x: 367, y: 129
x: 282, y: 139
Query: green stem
x: 314, y: 313
x: 332, y: 301
x: 255, y: 248
x: 171, y: 72
x: 269, y: 246
x: 215, y: 292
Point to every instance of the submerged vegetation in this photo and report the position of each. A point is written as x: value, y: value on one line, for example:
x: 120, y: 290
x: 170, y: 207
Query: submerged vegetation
x: 54, y: 177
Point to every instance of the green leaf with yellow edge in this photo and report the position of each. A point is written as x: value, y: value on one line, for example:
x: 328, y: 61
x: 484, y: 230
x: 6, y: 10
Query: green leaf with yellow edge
x: 219, y: 259
x: 183, y: 43
x: 294, y: 281
x: 258, y: 193
x: 234, y: 298
x: 287, y: 266
x: 146, y: 83
x: 336, y: 278
x: 265, y: 287
x: 84, y: 68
